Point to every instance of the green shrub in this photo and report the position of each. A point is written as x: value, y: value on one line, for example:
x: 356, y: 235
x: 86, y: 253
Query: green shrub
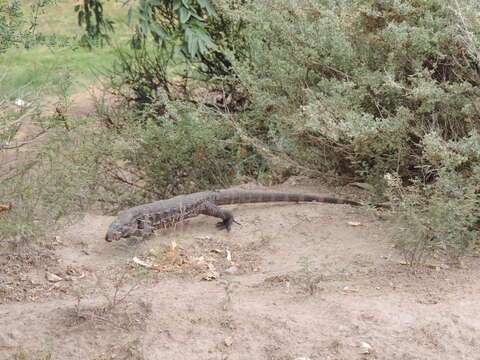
x: 365, y: 89
x: 11, y: 21
x: 184, y: 150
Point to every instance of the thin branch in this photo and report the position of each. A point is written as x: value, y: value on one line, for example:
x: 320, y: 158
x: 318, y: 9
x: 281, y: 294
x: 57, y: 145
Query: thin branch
x: 17, y: 145
x: 21, y: 118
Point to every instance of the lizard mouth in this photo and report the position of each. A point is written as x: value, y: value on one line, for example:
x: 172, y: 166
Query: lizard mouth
x: 116, y: 233
x: 109, y: 238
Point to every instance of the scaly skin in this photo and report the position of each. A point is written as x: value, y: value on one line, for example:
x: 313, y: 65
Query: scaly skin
x: 144, y: 219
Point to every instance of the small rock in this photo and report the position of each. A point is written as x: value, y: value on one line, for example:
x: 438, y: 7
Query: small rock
x: 21, y: 103
x: 365, y: 348
x: 228, y: 341
x: 232, y: 270
x: 354, y: 223
x: 53, y: 278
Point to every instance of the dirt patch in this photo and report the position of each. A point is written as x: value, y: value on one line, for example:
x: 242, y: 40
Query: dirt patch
x: 295, y: 281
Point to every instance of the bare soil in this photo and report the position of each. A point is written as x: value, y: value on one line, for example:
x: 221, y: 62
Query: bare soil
x: 295, y: 281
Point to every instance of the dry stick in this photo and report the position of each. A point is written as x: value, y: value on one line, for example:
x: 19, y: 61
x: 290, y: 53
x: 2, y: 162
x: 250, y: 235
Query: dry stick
x: 5, y: 207
x: 14, y: 122
x: 119, y: 283
x: 263, y: 150
x: 110, y: 322
x: 125, y: 181
x: 23, y: 143
x: 61, y: 117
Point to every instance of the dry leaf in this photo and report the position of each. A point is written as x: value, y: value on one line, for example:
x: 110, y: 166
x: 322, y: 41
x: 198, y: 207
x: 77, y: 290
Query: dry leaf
x: 211, y: 274
x: 53, y: 278
x: 5, y: 207
x: 146, y: 264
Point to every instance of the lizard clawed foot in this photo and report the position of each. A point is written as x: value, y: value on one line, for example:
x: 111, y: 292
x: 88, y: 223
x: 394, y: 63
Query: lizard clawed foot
x: 226, y: 224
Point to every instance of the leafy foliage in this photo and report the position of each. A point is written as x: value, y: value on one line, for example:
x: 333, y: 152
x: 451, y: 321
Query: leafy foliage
x: 11, y: 21
x: 19, y: 29
x: 203, y: 156
x: 365, y: 89
x: 175, y: 25
x: 97, y: 27
x: 38, y: 8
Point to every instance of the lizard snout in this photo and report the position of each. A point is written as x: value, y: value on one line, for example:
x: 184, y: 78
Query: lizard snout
x: 116, y: 232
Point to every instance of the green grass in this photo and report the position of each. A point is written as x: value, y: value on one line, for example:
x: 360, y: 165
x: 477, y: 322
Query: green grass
x: 42, y: 67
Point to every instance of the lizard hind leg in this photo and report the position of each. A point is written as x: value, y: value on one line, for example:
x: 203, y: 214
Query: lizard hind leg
x: 225, y: 224
x: 224, y: 214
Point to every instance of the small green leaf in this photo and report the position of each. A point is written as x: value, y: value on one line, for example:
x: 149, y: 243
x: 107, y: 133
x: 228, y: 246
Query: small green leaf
x: 207, y: 5
x: 184, y: 15
x: 177, y: 4
x: 129, y: 15
x: 193, y: 46
x: 159, y: 31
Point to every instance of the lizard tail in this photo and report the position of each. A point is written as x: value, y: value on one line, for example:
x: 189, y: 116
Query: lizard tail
x: 242, y: 197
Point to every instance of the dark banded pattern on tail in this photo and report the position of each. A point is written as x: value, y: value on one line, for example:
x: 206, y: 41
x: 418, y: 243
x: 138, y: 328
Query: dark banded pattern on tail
x: 226, y: 197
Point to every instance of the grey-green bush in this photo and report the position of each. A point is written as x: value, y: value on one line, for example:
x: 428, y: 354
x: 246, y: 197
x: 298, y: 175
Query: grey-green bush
x: 373, y: 88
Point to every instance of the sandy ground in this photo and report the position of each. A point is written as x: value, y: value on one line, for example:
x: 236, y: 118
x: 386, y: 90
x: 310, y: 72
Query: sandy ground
x: 300, y: 283
x: 295, y: 281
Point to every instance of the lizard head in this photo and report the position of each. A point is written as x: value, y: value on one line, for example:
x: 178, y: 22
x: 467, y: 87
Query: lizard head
x: 118, y: 230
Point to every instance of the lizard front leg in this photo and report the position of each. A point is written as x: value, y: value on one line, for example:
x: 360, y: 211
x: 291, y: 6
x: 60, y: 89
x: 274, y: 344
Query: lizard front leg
x: 213, y: 210
x: 145, y: 226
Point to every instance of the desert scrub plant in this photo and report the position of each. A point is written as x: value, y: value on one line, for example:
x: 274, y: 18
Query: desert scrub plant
x: 354, y: 87
x: 184, y: 150
x: 46, y: 173
x: 368, y: 89
x: 309, y: 277
x: 440, y: 216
